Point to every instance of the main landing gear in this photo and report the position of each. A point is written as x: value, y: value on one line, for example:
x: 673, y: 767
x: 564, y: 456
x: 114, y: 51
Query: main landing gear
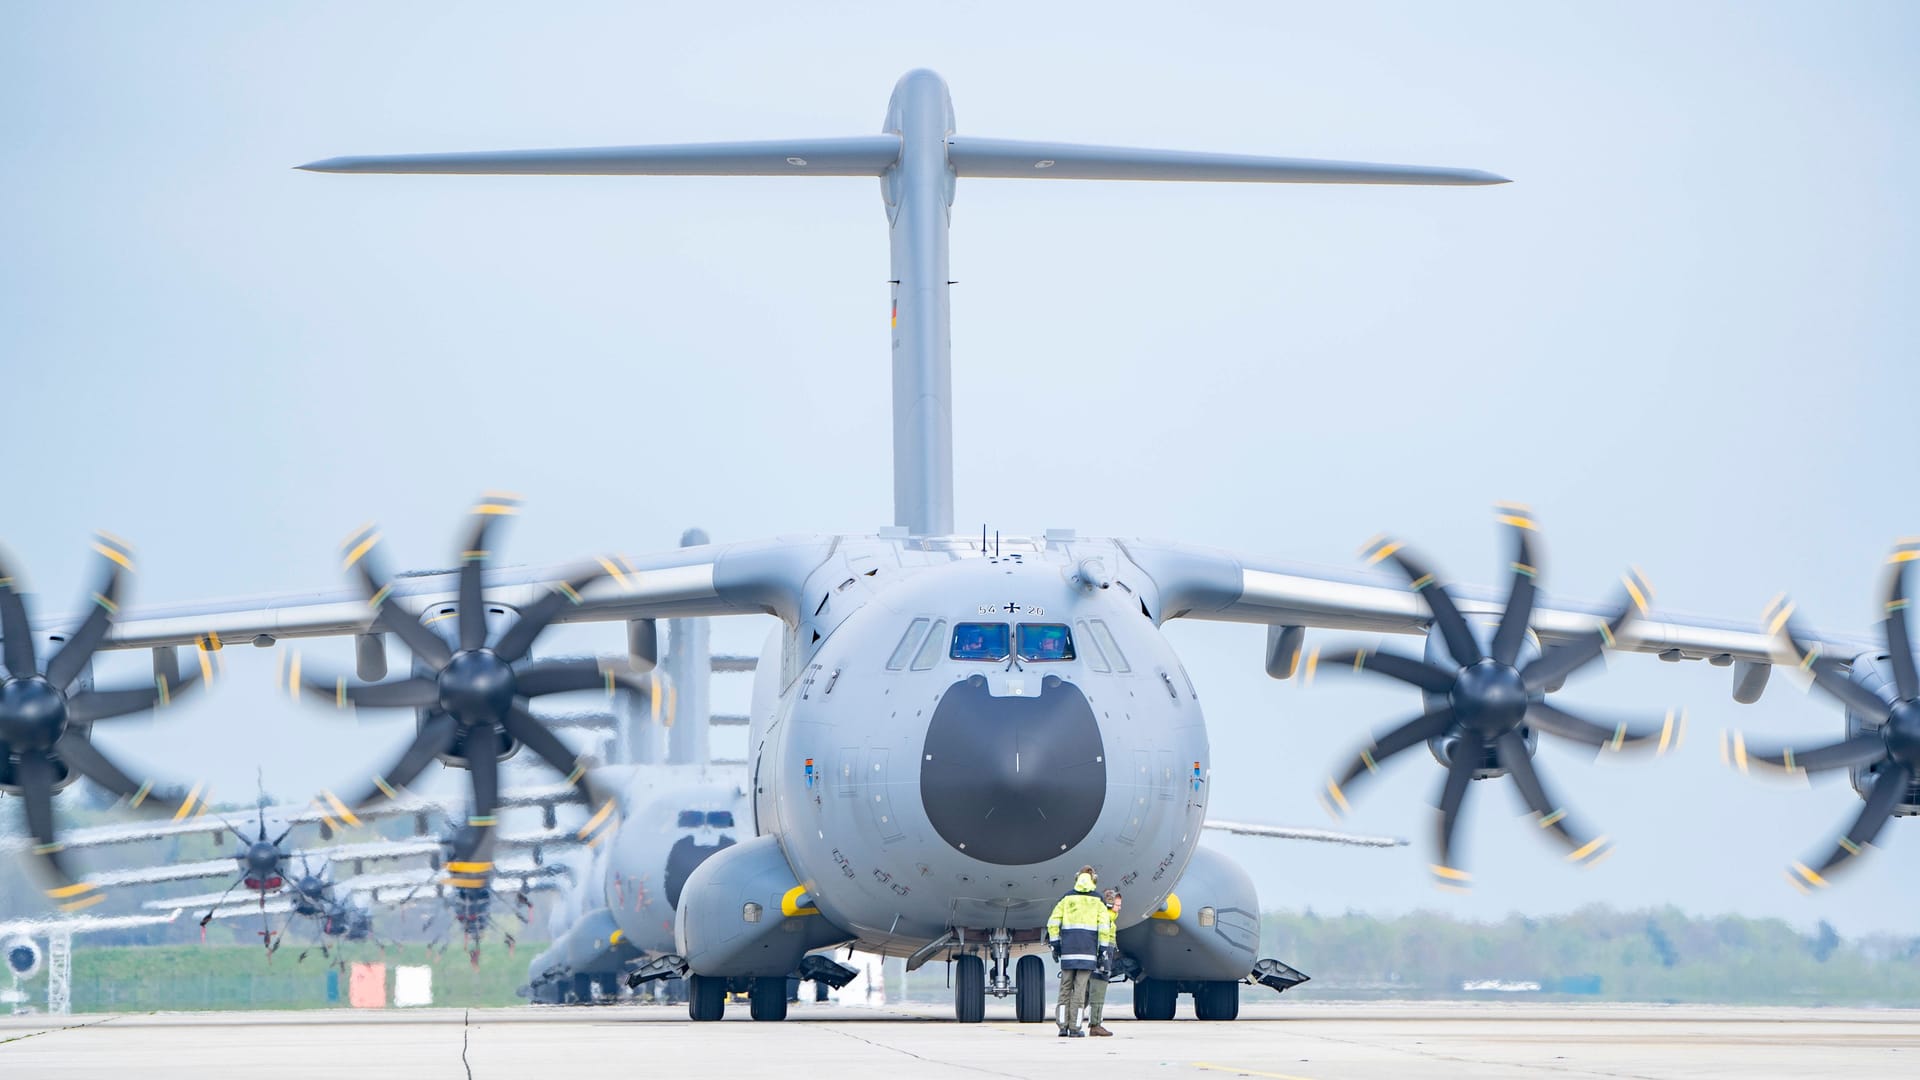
x: 707, y: 997
x: 1213, y: 999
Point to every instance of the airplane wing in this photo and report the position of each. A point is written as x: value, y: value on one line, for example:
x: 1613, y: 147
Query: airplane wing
x: 154, y: 875
x: 508, y: 876
x: 431, y: 846
x: 1290, y: 832
x: 215, y: 900
x: 234, y: 909
x: 1187, y: 582
x: 754, y: 577
x: 209, y: 823
x: 82, y: 924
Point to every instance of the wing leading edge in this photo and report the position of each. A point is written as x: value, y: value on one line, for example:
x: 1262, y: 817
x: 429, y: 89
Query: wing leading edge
x: 1202, y: 583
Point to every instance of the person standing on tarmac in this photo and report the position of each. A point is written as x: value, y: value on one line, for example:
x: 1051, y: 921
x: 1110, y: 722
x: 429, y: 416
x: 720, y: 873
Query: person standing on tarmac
x: 1074, y: 932
x: 1108, y: 964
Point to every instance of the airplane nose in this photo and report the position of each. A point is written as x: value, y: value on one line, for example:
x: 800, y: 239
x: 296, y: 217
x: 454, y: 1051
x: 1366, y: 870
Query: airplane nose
x: 1013, y: 780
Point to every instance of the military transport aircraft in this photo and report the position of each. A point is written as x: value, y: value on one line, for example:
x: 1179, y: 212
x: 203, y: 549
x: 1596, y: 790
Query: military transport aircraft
x: 944, y: 728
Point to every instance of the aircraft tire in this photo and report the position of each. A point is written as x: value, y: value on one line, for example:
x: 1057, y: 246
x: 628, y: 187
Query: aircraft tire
x: 1030, y: 990
x: 706, y: 997
x: 1217, y: 1000
x: 969, y: 989
x: 1154, y: 999
x: 768, y: 998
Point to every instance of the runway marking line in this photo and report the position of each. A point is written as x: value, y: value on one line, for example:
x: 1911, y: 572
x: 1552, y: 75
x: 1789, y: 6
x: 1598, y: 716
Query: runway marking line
x: 1235, y: 1069
x: 1246, y: 1072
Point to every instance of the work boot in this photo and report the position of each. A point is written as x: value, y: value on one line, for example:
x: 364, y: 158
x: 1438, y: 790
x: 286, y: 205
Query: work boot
x: 1076, y: 1033
x: 1064, y: 1033
x: 1100, y: 1030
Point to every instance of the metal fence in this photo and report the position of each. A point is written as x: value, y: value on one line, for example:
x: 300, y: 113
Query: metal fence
x: 189, y: 993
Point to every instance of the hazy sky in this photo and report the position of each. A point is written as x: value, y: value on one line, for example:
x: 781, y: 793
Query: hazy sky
x: 1685, y: 334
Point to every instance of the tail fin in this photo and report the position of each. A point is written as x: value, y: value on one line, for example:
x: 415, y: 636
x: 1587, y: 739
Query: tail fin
x: 917, y: 157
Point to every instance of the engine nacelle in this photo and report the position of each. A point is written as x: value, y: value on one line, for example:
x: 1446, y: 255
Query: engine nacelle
x: 1873, y: 671
x: 23, y: 958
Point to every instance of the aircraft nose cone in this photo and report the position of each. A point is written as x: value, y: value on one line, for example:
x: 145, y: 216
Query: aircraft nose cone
x: 1013, y: 780
x: 33, y: 715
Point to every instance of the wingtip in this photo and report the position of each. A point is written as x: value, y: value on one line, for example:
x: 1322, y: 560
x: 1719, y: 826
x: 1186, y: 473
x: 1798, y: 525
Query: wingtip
x: 332, y: 164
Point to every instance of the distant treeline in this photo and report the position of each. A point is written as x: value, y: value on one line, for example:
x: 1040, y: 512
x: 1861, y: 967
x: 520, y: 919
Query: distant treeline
x: 1595, y: 953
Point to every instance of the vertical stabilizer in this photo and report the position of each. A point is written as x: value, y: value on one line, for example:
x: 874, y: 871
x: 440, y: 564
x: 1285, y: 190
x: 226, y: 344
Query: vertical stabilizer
x: 918, y: 190
x: 917, y: 158
x: 690, y: 674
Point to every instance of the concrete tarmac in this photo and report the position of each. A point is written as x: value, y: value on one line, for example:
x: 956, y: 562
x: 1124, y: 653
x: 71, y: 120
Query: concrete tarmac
x: 1278, y: 1040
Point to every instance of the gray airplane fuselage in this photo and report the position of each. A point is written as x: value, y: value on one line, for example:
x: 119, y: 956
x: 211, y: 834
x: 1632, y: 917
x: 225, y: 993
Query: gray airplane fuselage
x: 919, y: 784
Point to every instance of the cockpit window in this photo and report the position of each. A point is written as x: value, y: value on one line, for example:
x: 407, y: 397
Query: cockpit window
x: 1096, y: 659
x: 720, y: 819
x: 1103, y: 640
x: 929, y: 653
x: 691, y: 819
x: 981, y: 641
x: 1045, y: 641
x: 908, y: 640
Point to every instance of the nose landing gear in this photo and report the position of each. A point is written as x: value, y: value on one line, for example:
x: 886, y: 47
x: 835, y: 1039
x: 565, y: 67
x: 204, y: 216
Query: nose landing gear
x: 997, y: 974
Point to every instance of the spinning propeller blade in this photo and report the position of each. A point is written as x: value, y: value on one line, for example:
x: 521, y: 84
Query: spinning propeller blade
x: 1887, y: 748
x: 1485, y: 700
x: 475, y: 694
x: 46, y: 719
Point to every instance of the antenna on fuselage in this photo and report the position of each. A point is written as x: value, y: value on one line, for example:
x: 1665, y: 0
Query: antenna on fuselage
x: 917, y: 158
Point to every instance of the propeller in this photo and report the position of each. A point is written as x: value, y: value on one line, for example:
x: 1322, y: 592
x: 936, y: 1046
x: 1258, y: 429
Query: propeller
x: 1484, y: 701
x: 1888, y: 750
x: 47, y: 717
x: 476, y: 690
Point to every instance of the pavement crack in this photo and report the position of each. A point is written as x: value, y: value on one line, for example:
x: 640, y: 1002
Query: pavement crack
x: 931, y: 1061
x: 68, y: 1027
x: 466, y: 1032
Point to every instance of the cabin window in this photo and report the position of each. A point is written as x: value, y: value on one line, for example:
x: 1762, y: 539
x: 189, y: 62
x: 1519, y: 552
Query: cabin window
x: 1045, y: 641
x: 720, y: 819
x: 981, y: 641
x: 691, y: 819
x: 929, y: 653
x: 915, y: 631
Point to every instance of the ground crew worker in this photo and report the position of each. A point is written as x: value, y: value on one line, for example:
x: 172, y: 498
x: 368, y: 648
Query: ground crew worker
x: 1108, y: 965
x: 1074, y: 932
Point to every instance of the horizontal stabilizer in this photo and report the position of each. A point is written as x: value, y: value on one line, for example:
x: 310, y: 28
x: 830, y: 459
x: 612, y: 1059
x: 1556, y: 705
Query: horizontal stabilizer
x: 1015, y: 159
x: 863, y: 155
